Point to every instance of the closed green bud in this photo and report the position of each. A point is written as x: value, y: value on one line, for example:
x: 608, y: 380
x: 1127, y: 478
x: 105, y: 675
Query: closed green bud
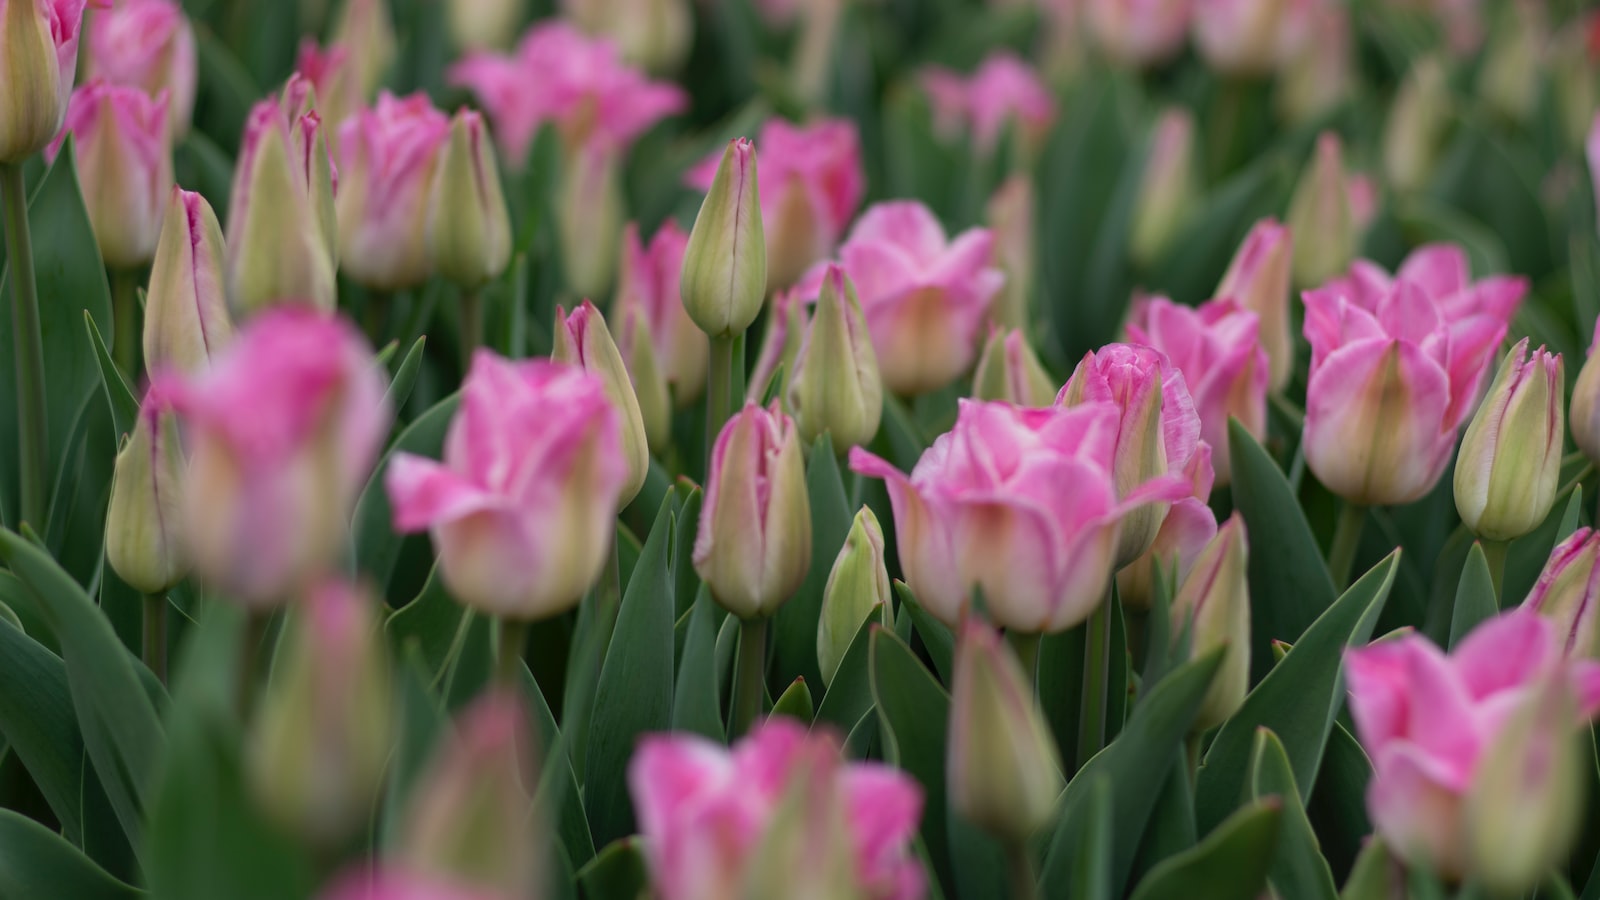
x: 836, y: 388
x: 858, y: 588
x: 144, y: 539
x: 583, y: 340
x: 725, y: 265
x: 1214, y: 604
x: 1167, y: 193
x: 1003, y: 769
x: 649, y: 384
x: 1417, y: 120
x: 469, y: 228
x: 1321, y: 216
x: 1009, y: 370
x: 186, y: 313
x: 589, y: 217
x: 321, y: 741
x: 1510, y: 460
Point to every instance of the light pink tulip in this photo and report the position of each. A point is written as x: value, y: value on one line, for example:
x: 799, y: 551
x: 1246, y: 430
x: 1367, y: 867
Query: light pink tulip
x: 521, y: 509
x: 1427, y: 721
x: 811, y: 181
x: 1158, y: 430
x: 1003, y: 90
x: 395, y: 882
x: 559, y: 75
x: 1020, y: 502
x: 123, y: 152
x: 704, y: 809
x: 334, y: 77
x: 147, y: 44
x: 284, y: 427
x: 1592, y: 151
x: 648, y: 282
x: 1138, y: 33
x: 1218, y: 350
x: 1397, y: 366
x: 925, y: 296
x: 1258, y: 280
x: 1252, y: 37
x: 387, y: 158
x: 38, y: 59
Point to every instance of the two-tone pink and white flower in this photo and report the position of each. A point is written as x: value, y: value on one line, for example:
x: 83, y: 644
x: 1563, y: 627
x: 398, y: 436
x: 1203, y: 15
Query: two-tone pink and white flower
x: 1020, y: 502
x: 1004, y: 90
x: 704, y: 810
x: 147, y: 44
x: 388, y: 155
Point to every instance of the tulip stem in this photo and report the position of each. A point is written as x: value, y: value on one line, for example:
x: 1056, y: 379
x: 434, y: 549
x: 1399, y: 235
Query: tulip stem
x: 1096, y: 678
x: 1346, y: 540
x: 1019, y: 867
x: 155, y: 635
x: 471, y: 325
x: 747, y: 689
x: 1027, y: 647
x: 719, y: 393
x: 255, y: 634
x: 124, y: 318
x: 1494, y: 553
x: 32, y: 411
x: 513, y: 637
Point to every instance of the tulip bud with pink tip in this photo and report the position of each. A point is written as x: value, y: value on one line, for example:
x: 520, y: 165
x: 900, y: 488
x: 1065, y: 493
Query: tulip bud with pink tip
x: 147, y: 44
x: 649, y: 282
x: 123, y: 152
x: 1568, y: 592
x: 725, y: 262
x: 583, y: 340
x: 186, y: 318
x: 38, y: 61
x: 1510, y: 460
x: 1258, y: 280
x: 1322, y: 216
x: 145, y: 544
x: 1168, y: 187
x: 1213, y: 605
x: 469, y: 227
x: 522, y: 507
x: 1585, y: 407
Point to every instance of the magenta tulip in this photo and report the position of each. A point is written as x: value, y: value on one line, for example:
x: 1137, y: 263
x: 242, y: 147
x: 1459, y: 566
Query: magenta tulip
x: 147, y: 44
x: 705, y: 811
x: 521, y: 508
x: 1020, y: 502
x: 925, y: 296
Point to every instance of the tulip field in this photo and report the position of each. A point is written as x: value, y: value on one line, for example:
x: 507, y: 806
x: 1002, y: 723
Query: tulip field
x: 799, y: 449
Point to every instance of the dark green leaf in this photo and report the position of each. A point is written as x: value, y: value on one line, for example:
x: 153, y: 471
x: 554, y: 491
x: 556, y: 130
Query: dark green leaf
x: 1298, y: 699
x: 378, y: 548
x: 433, y: 627
x: 1298, y: 869
x: 1230, y: 864
x: 697, y: 702
x: 912, y: 714
x: 1088, y: 865
x: 124, y: 405
x: 405, y: 377
x: 1377, y: 875
x: 558, y: 785
x: 36, y: 862
x: 935, y: 636
x: 617, y: 873
x: 1338, y: 806
x: 849, y: 696
x: 1475, y: 599
x: 795, y: 703
x: 794, y: 639
x: 686, y: 581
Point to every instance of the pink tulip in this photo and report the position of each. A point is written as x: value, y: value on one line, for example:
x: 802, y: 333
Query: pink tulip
x: 648, y: 282
x: 1218, y: 350
x: 387, y: 158
x: 394, y: 882
x: 39, y: 56
x: 810, y: 181
x: 559, y: 75
x: 1003, y: 90
x: 284, y: 427
x: 1397, y: 366
x: 1138, y: 33
x: 123, y: 152
x: 1020, y: 502
x: 1158, y: 430
x: 521, y: 509
x: 1592, y: 151
x: 1568, y: 592
x: 147, y: 44
x: 1258, y: 280
x: 705, y: 810
x: 1188, y: 527
x: 1429, y: 721
x: 335, y: 80
x: 925, y: 297
x: 1252, y: 37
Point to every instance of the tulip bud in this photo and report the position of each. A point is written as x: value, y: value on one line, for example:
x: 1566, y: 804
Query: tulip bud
x: 147, y: 44
x: 280, y: 237
x: 333, y: 79
x: 469, y: 228
x: 649, y: 385
x: 387, y: 159
x: 1167, y: 190
x: 654, y: 34
x: 144, y: 544
x: 1214, y: 603
x: 321, y: 740
x: 471, y: 819
x: 589, y: 215
x: 1417, y: 120
x: 1320, y: 213
x: 1258, y: 280
x: 484, y: 24
x: 1319, y: 78
x: 185, y: 312
x: 1585, y: 409
x: 754, y: 544
x: 725, y: 264
x: 1516, y: 61
x: 1003, y: 769
x: 1526, y: 801
x: 836, y: 387
x: 583, y: 340
x: 38, y: 59
x: 649, y: 280
x: 780, y: 345
x: 366, y: 29
x: 1009, y: 370
x: 857, y: 587
x: 1568, y: 589
x: 1510, y: 459
x: 312, y: 141
x: 1011, y: 218
x: 123, y: 152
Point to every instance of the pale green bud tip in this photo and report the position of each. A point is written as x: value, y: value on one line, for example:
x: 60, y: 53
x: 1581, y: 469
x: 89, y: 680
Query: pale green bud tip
x: 1321, y: 207
x: 144, y: 539
x: 725, y: 266
x: 836, y: 386
x: 469, y: 227
x: 1214, y: 604
x: 1003, y: 769
x: 186, y: 312
x: 1510, y: 460
x: 583, y: 340
x: 858, y: 587
x: 1010, y: 371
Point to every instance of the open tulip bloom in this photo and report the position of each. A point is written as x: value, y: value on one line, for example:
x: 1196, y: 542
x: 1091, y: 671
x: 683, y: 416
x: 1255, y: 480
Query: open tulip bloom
x: 799, y: 449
